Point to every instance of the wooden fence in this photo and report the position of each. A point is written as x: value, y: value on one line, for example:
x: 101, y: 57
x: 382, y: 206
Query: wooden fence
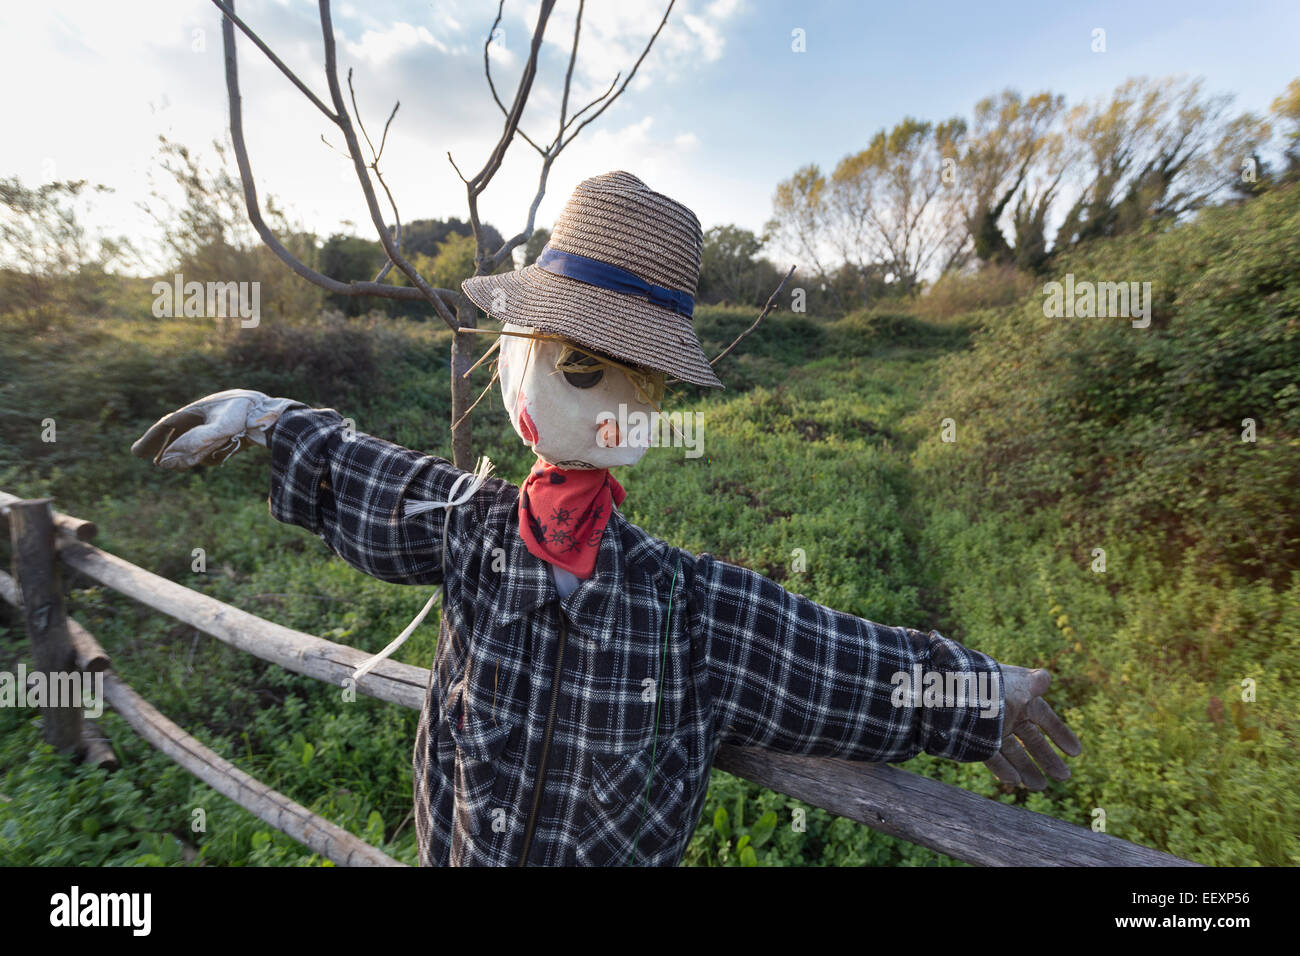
x: 945, y: 818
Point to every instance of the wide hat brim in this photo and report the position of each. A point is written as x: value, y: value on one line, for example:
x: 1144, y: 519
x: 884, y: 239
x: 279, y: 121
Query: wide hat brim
x: 626, y: 327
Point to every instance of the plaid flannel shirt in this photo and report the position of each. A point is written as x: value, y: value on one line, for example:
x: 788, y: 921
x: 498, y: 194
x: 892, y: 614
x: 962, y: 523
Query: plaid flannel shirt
x: 581, y: 730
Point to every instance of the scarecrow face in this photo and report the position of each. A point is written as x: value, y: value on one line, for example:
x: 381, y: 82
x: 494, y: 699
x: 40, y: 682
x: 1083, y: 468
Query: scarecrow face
x: 567, y: 415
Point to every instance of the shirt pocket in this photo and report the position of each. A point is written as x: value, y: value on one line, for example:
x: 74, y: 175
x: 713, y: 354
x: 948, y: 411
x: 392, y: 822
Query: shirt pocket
x: 473, y: 748
x: 624, y: 821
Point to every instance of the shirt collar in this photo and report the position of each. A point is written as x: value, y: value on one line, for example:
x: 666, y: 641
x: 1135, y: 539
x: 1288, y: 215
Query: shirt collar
x: 594, y: 605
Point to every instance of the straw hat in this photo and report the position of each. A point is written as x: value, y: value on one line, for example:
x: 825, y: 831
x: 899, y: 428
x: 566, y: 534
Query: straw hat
x: 618, y: 276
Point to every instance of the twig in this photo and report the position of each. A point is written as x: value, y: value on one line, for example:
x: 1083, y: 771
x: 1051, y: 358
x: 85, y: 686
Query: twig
x: 401, y: 826
x: 476, y: 185
x: 481, y: 396
x: 771, y: 301
x: 635, y: 67
x: 557, y: 145
x: 374, y: 164
x: 495, y: 345
x: 487, y: 70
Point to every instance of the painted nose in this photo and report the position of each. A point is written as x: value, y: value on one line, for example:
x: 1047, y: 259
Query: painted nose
x: 607, y: 434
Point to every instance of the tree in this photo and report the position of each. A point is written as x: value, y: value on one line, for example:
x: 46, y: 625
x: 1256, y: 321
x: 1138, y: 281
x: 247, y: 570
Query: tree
x: 891, y: 203
x: 1156, y: 150
x: 49, y: 261
x: 731, y: 269
x: 1286, y: 111
x: 344, y: 255
x: 536, y: 243
x: 887, y: 209
x: 204, y: 235
x: 800, y: 221
x: 427, y: 235
x: 450, y: 262
x: 487, y: 259
x: 1008, y: 136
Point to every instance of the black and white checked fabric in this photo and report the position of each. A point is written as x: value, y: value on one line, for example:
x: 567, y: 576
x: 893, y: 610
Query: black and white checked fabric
x: 743, y: 661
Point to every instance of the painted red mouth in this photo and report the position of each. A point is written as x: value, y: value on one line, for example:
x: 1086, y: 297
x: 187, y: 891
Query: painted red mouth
x: 526, y: 427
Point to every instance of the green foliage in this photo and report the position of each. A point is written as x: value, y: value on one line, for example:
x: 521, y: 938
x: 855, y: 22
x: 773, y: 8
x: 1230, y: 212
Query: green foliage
x: 1072, y: 435
x: 348, y: 259
x: 1075, y: 435
x: 427, y: 236
x: 731, y: 269
x: 452, y: 263
x: 50, y: 263
x: 993, y: 287
x: 1122, y: 425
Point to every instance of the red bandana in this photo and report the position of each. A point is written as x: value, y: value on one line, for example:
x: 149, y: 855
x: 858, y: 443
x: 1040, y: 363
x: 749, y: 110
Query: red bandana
x: 563, y: 511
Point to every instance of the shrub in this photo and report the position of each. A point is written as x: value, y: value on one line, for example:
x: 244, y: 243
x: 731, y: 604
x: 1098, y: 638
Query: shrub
x: 992, y: 287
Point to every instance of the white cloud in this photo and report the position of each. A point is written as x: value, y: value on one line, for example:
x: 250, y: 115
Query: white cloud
x: 613, y: 35
x: 109, y: 85
x: 378, y: 47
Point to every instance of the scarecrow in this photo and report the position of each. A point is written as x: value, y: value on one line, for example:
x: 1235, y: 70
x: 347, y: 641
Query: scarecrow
x: 586, y: 672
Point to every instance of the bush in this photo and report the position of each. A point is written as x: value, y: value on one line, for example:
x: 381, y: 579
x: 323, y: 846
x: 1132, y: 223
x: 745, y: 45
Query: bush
x: 992, y: 287
x: 1124, y: 425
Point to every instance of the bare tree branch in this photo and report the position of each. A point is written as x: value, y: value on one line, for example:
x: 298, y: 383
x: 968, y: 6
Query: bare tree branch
x: 264, y: 232
x: 573, y: 58
x: 557, y: 145
x: 487, y: 70
x: 384, y: 139
x: 635, y: 67
x: 485, y: 264
x: 363, y: 178
x: 229, y: 11
x: 574, y: 117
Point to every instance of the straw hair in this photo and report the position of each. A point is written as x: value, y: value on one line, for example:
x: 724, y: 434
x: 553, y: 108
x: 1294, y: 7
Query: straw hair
x: 618, y: 219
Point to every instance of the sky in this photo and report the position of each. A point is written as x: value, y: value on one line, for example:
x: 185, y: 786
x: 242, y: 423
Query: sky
x: 722, y: 109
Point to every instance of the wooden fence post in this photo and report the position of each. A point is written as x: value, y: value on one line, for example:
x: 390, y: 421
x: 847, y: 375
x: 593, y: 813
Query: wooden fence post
x: 40, y: 583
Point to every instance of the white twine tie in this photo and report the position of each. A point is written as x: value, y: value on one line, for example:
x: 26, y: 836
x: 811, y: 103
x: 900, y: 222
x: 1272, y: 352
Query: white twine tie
x: 409, y: 510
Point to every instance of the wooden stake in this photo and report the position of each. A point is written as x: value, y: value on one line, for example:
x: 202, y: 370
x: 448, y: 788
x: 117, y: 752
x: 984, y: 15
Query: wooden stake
x: 40, y: 586
x: 66, y: 525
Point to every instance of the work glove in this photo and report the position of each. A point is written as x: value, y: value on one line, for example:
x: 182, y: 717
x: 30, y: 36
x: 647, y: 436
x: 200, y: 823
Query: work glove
x: 210, y: 430
x: 1026, y: 718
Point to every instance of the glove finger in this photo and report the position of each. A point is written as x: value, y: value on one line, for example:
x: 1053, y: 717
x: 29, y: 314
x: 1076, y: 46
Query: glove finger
x: 1039, y: 682
x: 196, y: 447
x: 163, y: 431
x: 1030, y: 775
x: 232, y: 404
x: 1003, y: 770
x: 1046, y: 758
x: 1041, y: 713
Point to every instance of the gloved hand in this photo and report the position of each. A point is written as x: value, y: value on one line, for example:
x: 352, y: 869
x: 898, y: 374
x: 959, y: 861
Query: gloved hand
x: 210, y: 430
x: 1027, y: 716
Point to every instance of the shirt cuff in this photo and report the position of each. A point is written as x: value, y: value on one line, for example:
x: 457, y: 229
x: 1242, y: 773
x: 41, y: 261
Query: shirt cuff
x: 299, y: 445
x: 961, y: 701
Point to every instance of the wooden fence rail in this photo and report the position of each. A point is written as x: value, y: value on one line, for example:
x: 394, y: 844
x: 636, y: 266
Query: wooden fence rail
x: 327, y: 839
x: 927, y: 812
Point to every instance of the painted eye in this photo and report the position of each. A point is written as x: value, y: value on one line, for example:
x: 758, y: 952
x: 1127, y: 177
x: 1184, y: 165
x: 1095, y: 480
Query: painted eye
x: 582, y: 379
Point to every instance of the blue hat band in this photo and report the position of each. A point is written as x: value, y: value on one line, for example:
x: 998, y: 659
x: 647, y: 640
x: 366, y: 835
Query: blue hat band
x: 607, y: 276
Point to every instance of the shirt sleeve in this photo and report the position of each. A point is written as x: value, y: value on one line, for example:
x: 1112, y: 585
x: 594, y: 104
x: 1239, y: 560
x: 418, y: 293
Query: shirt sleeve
x: 790, y: 675
x: 349, y: 489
